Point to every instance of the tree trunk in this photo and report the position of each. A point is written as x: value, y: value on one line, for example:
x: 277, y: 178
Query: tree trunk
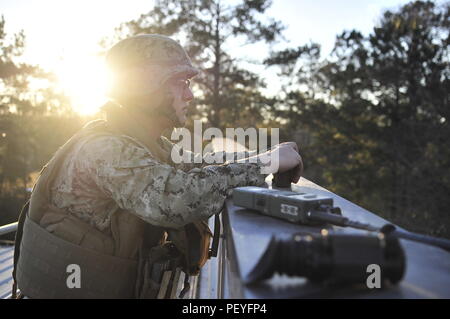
x: 215, y: 119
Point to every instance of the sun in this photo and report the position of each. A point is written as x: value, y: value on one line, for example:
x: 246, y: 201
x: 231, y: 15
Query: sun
x: 85, y: 79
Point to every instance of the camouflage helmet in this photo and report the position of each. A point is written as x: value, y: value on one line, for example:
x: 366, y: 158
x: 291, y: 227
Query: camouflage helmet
x: 159, y: 56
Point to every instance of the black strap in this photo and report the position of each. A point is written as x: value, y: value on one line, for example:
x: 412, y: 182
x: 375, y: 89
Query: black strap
x: 216, y: 237
x: 186, y: 287
x: 17, y: 242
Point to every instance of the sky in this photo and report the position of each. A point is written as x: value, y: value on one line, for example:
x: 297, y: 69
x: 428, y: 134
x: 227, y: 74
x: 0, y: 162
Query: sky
x: 63, y: 36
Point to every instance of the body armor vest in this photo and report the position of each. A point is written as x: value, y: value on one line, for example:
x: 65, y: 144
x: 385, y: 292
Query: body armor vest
x: 118, y: 265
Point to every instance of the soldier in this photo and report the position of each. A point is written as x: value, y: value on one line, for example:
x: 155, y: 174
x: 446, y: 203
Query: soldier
x: 108, y: 198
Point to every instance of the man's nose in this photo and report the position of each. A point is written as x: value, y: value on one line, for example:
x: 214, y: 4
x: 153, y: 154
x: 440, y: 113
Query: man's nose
x: 188, y: 95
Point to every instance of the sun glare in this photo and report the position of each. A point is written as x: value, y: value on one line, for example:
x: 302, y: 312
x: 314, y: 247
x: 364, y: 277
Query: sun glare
x: 84, y: 78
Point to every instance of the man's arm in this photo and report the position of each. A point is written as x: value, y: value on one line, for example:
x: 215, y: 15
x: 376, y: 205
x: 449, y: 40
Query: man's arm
x: 159, y: 193
x: 195, y: 160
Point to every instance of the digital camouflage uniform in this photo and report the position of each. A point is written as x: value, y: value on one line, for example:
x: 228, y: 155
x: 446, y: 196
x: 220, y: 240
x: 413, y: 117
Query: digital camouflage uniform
x: 110, y: 172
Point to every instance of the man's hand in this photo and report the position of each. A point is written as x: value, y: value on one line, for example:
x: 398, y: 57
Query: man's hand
x: 289, y: 159
x: 283, y: 157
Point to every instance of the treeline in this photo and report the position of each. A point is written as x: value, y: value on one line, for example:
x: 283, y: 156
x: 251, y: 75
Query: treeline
x: 377, y: 115
x: 35, y: 119
x: 371, y: 118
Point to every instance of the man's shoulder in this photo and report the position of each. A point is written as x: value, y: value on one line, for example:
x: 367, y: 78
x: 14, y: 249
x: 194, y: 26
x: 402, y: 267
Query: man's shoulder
x: 106, y: 142
x: 113, y: 149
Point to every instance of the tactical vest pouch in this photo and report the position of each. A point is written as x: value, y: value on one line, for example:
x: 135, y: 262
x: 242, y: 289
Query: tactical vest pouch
x: 193, y: 241
x: 43, y: 273
x: 76, y: 231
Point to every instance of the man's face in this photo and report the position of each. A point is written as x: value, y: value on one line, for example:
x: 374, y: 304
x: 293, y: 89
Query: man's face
x: 140, y: 80
x: 182, y: 95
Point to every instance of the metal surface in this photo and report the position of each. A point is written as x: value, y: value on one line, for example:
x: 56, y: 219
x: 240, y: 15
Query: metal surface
x: 248, y: 233
x: 9, y: 228
x: 6, y: 262
x: 6, y: 268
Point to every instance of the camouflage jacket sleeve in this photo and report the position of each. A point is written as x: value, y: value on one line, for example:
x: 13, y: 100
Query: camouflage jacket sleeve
x: 195, y: 160
x: 157, y: 192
